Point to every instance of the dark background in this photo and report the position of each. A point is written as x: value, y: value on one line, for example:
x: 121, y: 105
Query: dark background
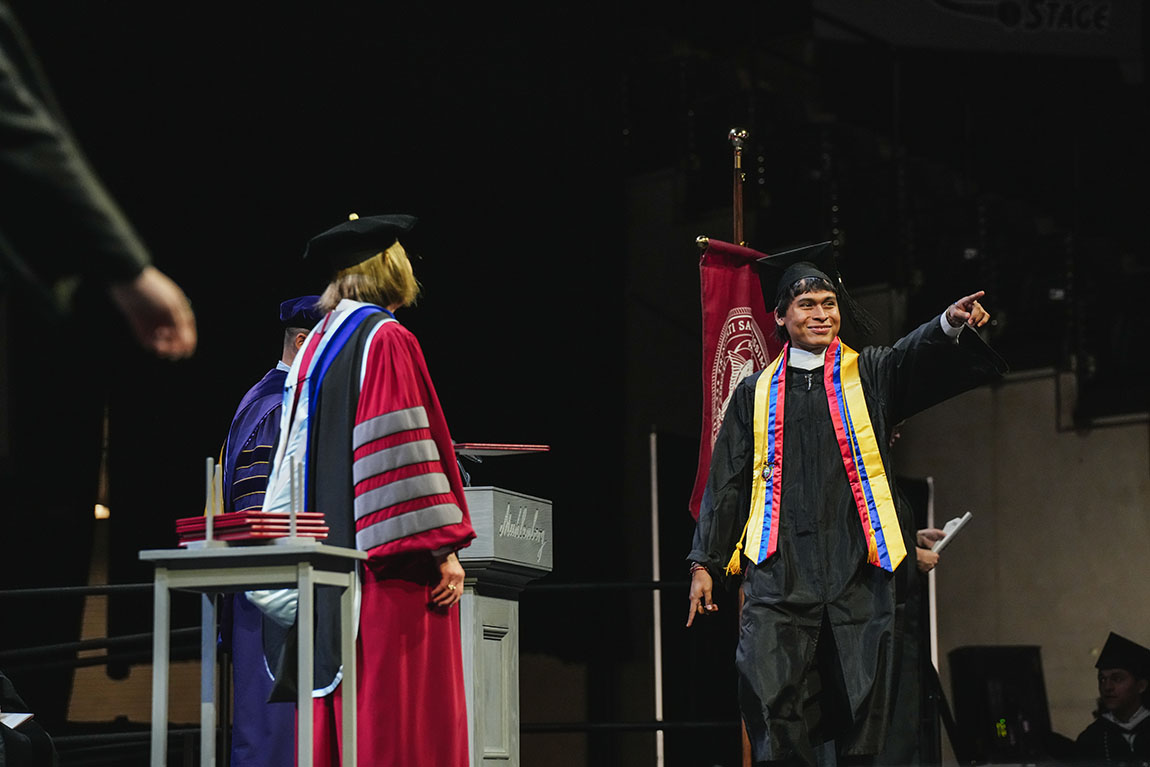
x: 230, y: 133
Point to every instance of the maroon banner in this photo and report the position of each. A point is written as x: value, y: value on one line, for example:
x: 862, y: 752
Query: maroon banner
x: 738, y: 339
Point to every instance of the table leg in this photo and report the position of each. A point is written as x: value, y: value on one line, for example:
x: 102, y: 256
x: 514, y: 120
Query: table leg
x: 349, y: 683
x: 305, y: 624
x: 208, y: 680
x: 161, y: 620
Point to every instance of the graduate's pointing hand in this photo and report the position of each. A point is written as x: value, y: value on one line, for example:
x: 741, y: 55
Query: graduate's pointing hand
x: 701, y: 587
x: 968, y: 311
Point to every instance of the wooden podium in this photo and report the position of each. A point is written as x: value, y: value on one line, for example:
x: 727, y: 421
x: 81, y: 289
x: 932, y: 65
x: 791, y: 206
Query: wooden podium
x: 513, y: 546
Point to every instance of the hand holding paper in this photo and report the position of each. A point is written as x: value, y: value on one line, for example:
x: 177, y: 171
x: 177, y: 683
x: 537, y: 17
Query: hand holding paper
x: 950, y: 529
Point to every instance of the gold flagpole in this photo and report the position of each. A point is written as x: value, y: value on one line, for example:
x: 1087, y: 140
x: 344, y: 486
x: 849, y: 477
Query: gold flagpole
x: 737, y: 137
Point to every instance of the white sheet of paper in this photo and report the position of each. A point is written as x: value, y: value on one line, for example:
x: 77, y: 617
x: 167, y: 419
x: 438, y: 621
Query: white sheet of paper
x: 14, y: 720
x: 951, y: 529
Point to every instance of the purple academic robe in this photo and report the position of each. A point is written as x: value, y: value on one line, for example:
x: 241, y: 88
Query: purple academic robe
x: 263, y: 734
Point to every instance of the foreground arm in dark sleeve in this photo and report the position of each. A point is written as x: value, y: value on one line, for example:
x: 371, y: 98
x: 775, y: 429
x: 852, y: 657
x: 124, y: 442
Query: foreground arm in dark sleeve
x: 54, y: 205
x: 59, y: 225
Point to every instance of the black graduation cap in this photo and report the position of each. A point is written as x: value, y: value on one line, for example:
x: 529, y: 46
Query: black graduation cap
x: 779, y: 271
x: 1120, y: 652
x: 301, y: 312
x: 357, y: 239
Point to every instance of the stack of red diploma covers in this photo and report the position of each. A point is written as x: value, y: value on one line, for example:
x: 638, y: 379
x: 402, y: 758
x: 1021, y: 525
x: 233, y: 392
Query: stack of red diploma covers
x: 251, y: 526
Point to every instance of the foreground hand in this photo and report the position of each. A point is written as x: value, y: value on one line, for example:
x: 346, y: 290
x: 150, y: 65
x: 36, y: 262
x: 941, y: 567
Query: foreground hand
x: 158, y: 312
x: 926, y: 560
x: 701, y: 587
x: 450, y: 587
x: 968, y: 311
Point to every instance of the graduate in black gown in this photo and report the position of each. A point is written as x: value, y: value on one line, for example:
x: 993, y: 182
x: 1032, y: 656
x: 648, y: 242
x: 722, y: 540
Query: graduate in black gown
x: 807, y: 451
x: 1121, y: 732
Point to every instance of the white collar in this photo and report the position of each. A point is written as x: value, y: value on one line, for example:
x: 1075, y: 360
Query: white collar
x: 804, y: 360
x: 347, y: 305
x: 1135, y: 719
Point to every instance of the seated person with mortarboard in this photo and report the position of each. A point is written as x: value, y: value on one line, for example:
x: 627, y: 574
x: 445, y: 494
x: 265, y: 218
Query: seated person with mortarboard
x: 1121, y: 732
x: 819, y: 541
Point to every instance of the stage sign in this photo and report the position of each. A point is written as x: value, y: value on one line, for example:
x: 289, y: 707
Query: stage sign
x: 1109, y: 29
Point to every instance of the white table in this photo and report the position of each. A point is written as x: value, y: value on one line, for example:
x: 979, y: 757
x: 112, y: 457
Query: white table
x: 300, y: 563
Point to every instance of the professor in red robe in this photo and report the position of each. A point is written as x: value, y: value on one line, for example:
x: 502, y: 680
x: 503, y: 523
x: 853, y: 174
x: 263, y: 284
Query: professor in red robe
x: 361, y: 416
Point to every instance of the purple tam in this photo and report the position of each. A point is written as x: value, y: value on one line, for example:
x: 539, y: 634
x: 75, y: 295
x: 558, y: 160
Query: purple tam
x: 302, y: 312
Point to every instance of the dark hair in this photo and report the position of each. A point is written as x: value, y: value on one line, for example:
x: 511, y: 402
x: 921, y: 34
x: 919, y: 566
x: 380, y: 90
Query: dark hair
x: 796, y: 289
x: 289, y: 337
x: 291, y: 332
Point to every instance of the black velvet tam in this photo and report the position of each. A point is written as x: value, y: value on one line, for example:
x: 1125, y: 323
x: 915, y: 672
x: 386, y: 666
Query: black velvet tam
x: 357, y: 239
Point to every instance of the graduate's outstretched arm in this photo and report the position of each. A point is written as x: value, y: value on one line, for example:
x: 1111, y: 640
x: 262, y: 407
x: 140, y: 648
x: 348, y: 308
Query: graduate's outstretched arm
x: 700, y: 598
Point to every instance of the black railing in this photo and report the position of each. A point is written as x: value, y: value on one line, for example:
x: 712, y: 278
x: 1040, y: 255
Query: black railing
x: 129, y: 744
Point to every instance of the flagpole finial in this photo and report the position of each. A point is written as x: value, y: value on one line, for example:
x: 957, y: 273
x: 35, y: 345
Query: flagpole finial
x: 702, y: 241
x: 737, y: 137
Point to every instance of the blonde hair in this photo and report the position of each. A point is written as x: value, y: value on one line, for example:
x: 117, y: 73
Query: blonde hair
x: 385, y: 279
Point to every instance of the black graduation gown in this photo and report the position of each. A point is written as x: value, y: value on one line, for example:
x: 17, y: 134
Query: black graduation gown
x: 1103, y: 742
x: 902, y: 745
x: 817, y: 595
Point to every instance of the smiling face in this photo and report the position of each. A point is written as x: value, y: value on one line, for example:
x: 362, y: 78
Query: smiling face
x: 812, y: 320
x: 1120, y: 691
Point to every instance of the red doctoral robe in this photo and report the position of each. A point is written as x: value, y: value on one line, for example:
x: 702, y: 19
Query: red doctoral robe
x: 362, y: 413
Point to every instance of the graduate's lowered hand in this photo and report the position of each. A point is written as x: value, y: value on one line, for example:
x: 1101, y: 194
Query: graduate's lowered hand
x: 968, y: 311
x: 450, y: 587
x: 925, y: 559
x: 701, y: 588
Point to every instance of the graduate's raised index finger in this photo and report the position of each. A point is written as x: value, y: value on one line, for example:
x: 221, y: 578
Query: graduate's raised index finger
x: 967, y: 302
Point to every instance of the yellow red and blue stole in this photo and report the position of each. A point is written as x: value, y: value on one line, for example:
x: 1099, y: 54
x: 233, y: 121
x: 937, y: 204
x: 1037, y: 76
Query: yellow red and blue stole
x: 861, y: 459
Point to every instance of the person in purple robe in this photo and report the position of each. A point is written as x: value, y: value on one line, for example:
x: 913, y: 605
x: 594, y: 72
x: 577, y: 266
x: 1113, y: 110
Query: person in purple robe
x: 262, y: 732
